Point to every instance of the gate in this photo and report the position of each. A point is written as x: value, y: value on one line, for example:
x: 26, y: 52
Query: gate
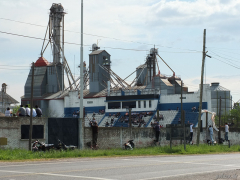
x: 65, y: 129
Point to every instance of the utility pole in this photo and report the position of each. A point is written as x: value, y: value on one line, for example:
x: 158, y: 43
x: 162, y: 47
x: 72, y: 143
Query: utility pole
x: 31, y: 104
x: 181, y: 104
x: 201, y: 90
x: 219, y: 121
x: 81, y: 83
x: 2, y: 101
x: 182, y: 124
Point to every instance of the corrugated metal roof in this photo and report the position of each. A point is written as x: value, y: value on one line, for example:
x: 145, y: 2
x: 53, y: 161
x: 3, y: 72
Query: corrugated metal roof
x: 58, y: 95
x: 8, y: 98
x: 165, y: 81
x: 97, y: 52
x: 218, y: 88
x: 101, y: 93
x: 179, y: 82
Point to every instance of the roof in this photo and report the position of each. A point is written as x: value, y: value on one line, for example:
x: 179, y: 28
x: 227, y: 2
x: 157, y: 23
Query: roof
x: 41, y: 62
x: 165, y: 81
x: 57, y: 95
x: 218, y: 88
x: 98, y: 52
x: 141, y: 66
x: 7, y: 97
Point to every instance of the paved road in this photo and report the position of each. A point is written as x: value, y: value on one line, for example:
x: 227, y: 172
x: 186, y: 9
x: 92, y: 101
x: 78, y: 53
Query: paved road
x: 202, y: 167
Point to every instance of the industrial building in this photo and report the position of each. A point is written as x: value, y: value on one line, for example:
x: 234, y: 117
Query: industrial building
x: 105, y: 90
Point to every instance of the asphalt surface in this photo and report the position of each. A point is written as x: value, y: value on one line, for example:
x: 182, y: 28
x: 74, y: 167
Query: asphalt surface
x: 192, y: 167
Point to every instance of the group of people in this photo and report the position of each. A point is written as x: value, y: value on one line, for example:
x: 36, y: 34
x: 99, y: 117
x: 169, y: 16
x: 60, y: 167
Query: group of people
x: 137, y: 118
x: 26, y: 111
x: 226, y: 128
x: 76, y: 114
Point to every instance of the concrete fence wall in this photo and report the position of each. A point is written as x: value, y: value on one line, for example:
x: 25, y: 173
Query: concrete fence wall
x: 114, y: 137
x: 10, y: 128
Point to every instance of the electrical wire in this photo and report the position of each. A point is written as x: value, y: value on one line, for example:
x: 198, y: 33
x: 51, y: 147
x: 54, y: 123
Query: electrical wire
x: 117, y: 39
x: 226, y: 63
x: 225, y: 57
x: 31, y: 37
x: 15, y: 66
x: 227, y: 51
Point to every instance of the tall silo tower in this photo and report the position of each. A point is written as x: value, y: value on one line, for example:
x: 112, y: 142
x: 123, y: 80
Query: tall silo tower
x: 216, y: 92
x: 98, y: 77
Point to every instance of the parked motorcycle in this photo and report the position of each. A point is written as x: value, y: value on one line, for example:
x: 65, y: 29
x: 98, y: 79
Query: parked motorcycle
x: 40, y: 146
x: 62, y: 146
x: 129, y: 145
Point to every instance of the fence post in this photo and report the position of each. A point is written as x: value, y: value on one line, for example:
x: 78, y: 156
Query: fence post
x: 121, y: 140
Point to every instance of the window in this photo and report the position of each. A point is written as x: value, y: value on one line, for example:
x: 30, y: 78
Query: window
x: 144, y: 104
x: 150, y: 104
x: 37, y: 132
x: 139, y: 104
x: 114, y: 105
x: 130, y: 104
x: 89, y: 102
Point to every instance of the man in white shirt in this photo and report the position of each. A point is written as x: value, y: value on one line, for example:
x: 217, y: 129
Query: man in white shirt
x: 226, y: 131
x: 34, y: 113
x: 27, y: 110
x: 191, y: 132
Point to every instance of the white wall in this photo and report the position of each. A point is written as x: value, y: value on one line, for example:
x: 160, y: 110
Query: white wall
x: 189, y: 97
x: 153, y: 108
x: 72, y: 100
x: 56, y: 108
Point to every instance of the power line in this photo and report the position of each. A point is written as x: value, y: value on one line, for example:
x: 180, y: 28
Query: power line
x: 15, y: 66
x: 224, y: 57
x: 226, y: 63
x: 31, y: 37
x: 117, y: 39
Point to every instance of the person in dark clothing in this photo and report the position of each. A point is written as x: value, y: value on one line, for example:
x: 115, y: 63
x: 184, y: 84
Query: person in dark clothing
x: 157, y: 131
x: 94, y: 127
x: 38, y: 111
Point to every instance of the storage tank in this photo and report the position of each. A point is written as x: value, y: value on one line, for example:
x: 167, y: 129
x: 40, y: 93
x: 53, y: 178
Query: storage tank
x: 142, y: 71
x: 216, y: 92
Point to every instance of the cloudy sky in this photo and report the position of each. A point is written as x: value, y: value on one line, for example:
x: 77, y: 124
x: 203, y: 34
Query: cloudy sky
x: 175, y: 27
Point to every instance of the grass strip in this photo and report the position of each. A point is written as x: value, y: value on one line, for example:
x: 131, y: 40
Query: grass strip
x: 19, y: 154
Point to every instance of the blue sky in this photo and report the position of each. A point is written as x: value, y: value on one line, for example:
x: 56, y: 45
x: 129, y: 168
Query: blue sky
x: 175, y: 27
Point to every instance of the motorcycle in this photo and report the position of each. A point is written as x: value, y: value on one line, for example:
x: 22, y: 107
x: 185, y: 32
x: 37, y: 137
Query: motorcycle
x: 62, y: 146
x: 40, y: 146
x: 129, y: 145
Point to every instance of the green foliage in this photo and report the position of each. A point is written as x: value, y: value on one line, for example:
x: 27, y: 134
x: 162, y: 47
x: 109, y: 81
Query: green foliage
x: 18, y: 154
x: 15, y: 109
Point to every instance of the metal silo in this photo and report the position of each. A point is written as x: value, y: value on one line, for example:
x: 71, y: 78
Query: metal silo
x: 141, y: 75
x: 216, y: 92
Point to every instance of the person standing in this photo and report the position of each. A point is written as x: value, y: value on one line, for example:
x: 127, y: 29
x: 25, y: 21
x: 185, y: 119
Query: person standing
x: 191, y: 132
x: 27, y: 110
x: 226, y: 131
x: 211, y: 134
x: 157, y: 131
x: 94, y: 127
x: 21, y: 111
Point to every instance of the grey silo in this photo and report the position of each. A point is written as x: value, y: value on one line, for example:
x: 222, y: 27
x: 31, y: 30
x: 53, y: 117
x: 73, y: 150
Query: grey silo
x: 98, y: 77
x: 216, y: 92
